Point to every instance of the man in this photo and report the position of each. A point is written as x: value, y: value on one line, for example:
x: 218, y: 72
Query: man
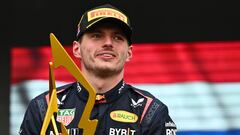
x: 103, y: 45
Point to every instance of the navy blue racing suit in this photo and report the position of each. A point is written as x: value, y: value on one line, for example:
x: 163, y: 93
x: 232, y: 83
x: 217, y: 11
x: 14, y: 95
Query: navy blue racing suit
x: 124, y: 110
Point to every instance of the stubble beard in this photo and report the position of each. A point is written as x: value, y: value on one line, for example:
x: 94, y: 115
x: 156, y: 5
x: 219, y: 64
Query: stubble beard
x: 103, y: 71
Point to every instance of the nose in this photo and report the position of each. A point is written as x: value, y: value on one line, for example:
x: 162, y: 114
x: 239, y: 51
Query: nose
x: 108, y: 42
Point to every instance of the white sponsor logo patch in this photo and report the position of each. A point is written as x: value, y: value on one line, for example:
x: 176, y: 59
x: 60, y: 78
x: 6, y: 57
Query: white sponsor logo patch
x: 138, y: 103
x: 71, y: 131
x: 121, y: 131
x: 60, y: 102
x: 171, y: 131
x: 170, y: 124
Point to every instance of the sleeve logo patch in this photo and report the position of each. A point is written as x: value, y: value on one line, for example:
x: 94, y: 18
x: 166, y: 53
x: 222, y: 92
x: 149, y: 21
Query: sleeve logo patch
x: 65, y: 116
x: 123, y: 116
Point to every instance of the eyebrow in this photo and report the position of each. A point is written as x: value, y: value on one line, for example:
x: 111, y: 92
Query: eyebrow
x: 99, y: 31
x: 93, y: 30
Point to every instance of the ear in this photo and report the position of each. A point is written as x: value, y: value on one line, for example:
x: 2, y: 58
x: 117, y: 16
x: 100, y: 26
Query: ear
x: 76, y: 49
x: 129, y: 57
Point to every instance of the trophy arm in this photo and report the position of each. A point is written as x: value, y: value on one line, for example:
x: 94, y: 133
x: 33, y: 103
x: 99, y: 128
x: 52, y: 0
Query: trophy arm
x: 52, y: 106
x: 61, y: 58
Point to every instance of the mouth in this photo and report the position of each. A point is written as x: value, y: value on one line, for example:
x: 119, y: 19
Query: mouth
x: 106, y: 55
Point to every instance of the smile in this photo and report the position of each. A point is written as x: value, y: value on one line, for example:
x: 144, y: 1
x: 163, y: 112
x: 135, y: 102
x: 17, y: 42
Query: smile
x: 106, y: 54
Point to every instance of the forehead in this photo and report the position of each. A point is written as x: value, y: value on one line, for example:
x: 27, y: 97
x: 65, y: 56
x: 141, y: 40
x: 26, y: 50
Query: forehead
x: 106, y: 26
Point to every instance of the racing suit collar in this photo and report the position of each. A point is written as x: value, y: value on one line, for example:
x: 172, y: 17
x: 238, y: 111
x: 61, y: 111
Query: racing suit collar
x: 107, y: 97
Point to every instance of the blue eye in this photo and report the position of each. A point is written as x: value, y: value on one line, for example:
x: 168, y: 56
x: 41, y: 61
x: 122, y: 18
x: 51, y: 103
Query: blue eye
x: 118, y: 37
x: 95, y: 35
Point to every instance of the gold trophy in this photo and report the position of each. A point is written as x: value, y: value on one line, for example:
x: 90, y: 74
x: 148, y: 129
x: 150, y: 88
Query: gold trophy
x: 61, y: 58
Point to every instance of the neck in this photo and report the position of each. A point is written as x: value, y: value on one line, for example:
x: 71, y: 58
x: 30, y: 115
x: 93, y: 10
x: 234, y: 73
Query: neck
x: 102, y: 85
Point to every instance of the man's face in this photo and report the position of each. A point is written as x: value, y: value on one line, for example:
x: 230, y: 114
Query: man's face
x: 103, y: 50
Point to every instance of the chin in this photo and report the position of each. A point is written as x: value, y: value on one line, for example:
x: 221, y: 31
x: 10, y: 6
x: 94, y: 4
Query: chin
x: 106, y: 71
x: 106, y: 65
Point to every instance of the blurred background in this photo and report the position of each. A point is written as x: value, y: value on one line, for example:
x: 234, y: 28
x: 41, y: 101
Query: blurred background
x: 186, y: 53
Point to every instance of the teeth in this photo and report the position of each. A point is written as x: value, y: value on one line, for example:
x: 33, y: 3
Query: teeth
x: 109, y: 55
x: 106, y: 54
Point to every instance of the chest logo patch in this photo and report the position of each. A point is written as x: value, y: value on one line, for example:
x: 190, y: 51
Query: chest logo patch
x: 123, y: 116
x: 65, y: 116
x: 138, y: 103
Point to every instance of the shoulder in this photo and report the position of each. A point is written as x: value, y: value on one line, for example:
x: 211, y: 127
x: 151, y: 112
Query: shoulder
x: 141, y: 92
x: 42, y: 99
x: 40, y: 102
x: 60, y: 90
x: 155, y: 118
x: 153, y: 106
x: 147, y: 95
